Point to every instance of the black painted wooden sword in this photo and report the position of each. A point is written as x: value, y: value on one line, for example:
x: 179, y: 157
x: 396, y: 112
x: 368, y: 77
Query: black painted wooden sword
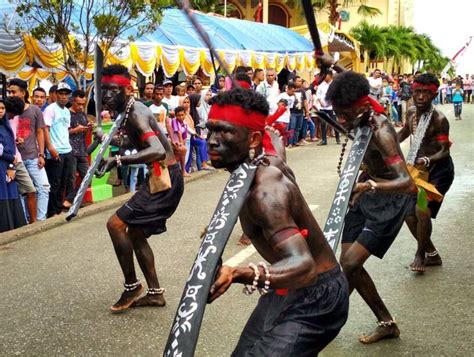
x: 340, y: 204
x: 86, y: 181
x: 314, y: 33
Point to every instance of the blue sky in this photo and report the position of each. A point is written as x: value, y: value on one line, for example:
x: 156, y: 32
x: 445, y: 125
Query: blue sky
x: 449, y: 24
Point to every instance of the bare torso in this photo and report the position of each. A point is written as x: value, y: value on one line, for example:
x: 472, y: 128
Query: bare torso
x: 430, y: 145
x: 142, y: 121
x: 374, y: 160
x: 275, y: 184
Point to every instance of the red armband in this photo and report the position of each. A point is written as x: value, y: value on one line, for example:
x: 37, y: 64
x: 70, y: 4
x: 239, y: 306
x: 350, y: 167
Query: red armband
x: 285, y: 234
x: 442, y: 138
x: 156, y: 165
x: 392, y: 160
x: 148, y: 134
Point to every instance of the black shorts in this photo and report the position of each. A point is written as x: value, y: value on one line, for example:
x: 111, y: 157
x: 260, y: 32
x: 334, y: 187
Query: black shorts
x: 150, y: 211
x: 299, y: 324
x: 442, y: 176
x: 376, y: 219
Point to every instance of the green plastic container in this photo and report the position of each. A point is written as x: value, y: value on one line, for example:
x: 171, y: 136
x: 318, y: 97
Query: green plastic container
x: 100, y: 189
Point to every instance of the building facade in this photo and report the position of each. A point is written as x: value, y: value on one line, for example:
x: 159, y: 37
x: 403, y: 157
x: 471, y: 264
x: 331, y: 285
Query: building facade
x: 290, y: 14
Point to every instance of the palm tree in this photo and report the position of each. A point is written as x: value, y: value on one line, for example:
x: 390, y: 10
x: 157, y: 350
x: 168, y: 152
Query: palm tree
x: 371, y: 41
x: 398, y: 45
x: 331, y: 7
x: 215, y: 6
x: 426, y: 51
x: 395, y: 44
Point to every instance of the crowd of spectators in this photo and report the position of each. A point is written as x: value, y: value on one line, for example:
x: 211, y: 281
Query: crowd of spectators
x: 49, y: 136
x: 43, y: 152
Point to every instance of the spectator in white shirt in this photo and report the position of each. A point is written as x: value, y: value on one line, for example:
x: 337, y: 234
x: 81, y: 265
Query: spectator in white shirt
x: 269, y: 89
x: 325, y: 107
x: 375, y: 82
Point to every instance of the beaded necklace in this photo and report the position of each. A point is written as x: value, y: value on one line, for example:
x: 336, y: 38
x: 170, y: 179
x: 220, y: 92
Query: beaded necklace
x: 373, y: 126
x: 341, y: 157
x: 418, y: 134
x: 122, y: 131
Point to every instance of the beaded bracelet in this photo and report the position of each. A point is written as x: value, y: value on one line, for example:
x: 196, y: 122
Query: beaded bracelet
x: 266, y: 287
x: 250, y: 289
x: 118, y: 160
x: 426, y: 161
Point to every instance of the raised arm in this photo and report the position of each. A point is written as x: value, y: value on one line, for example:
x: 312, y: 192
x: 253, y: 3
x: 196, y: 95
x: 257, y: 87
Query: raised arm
x: 327, y: 61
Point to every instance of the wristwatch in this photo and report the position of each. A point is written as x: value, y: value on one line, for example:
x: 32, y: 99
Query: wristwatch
x: 41, y: 155
x: 11, y: 167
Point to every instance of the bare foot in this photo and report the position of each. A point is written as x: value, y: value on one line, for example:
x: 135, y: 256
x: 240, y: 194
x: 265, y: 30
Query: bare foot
x: 433, y: 260
x: 380, y: 333
x: 67, y: 204
x: 185, y: 174
x: 150, y: 300
x: 244, y: 240
x: 418, y: 264
x: 127, y: 299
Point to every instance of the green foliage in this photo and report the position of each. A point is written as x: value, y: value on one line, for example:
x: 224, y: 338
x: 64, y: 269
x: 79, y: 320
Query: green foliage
x: 215, y: 6
x: 102, y: 21
x: 368, y: 11
x: 398, y: 43
x: 331, y: 7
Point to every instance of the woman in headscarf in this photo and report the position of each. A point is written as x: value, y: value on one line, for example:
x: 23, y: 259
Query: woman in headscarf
x: 219, y: 85
x: 203, y: 110
x: 11, y: 210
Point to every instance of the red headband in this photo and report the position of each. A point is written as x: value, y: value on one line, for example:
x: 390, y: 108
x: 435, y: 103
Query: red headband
x: 376, y: 106
x: 239, y: 116
x: 116, y: 79
x: 431, y: 87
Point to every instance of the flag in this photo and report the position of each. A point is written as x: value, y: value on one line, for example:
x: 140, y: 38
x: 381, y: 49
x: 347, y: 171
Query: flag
x: 259, y: 12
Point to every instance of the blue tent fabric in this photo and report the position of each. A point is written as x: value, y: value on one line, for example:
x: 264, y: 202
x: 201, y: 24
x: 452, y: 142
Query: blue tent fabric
x: 227, y: 34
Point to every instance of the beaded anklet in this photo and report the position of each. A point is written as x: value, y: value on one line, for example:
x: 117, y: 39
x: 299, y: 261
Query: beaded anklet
x: 156, y: 291
x: 432, y: 254
x: 386, y: 323
x: 131, y: 287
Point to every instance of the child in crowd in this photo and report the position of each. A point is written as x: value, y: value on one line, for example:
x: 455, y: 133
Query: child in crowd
x: 178, y: 137
x: 386, y: 97
x: 449, y: 92
x: 283, y: 121
x: 458, y: 97
x: 289, y: 99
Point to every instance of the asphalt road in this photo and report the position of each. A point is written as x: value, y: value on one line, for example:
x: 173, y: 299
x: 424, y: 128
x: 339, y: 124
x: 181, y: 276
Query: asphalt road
x: 57, y: 286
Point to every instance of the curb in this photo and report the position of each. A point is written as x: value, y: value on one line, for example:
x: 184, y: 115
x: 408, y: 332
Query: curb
x: 38, y: 227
